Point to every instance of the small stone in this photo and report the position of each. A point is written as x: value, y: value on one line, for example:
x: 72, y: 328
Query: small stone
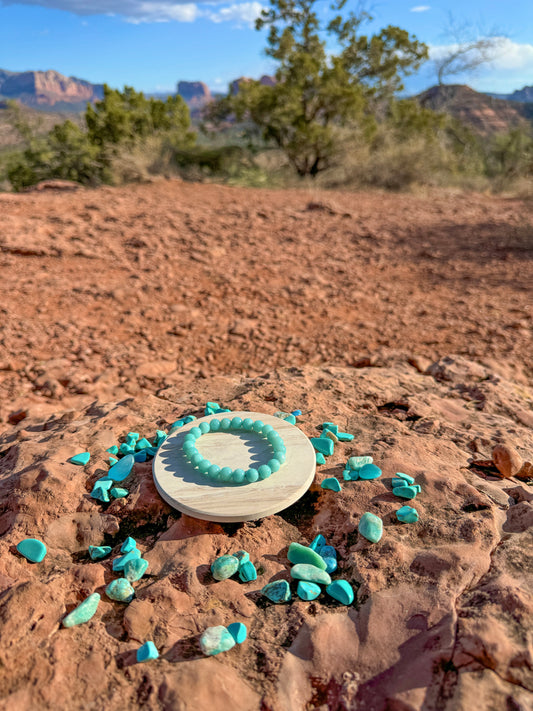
x: 329, y: 556
x: 133, y: 435
x: 318, y: 543
x: 135, y: 569
x: 160, y: 437
x: 32, y: 549
x: 320, y: 458
x: 247, y: 572
x: 331, y: 483
x: 291, y: 419
x: 83, y: 612
x: 242, y: 556
x: 141, y: 456
x: 507, y: 460
x: 406, y: 492
x: 113, y: 449
x: 307, y: 591
x: 80, y: 459
x: 112, y: 460
x: 407, y: 514
x: 118, y: 493
x: 142, y: 444
x: 345, y: 436
x: 302, y: 554
x: 369, y: 471
x: 120, y: 590
x: 98, y: 552
x: 238, y: 631
x: 216, y: 640
x: 332, y: 436
x: 350, y: 475
x: 323, y: 445
x: 122, y: 468
x: 130, y: 544
x: 101, y: 489
x: 310, y: 573
x: 371, y: 527
x: 278, y: 591
x: 342, y: 591
x: 120, y: 562
x: 296, y: 413
x: 330, y: 426
x: 224, y: 567
x: 405, y: 477
x: 398, y: 482
x: 357, y: 463
x: 146, y: 652
x: 126, y: 448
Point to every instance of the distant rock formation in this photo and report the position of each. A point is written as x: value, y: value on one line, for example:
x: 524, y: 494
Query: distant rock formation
x: 266, y: 80
x: 48, y: 90
x: 525, y: 94
x: 195, y: 93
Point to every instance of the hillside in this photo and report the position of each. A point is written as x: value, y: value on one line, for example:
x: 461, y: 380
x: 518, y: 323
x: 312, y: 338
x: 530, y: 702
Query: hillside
x: 48, y: 90
x: 40, y: 121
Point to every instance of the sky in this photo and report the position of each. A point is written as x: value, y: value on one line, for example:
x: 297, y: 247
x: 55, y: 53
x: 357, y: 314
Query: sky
x: 152, y: 45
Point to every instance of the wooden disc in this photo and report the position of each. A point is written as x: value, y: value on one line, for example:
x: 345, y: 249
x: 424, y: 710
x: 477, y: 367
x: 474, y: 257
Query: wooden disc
x: 183, y: 487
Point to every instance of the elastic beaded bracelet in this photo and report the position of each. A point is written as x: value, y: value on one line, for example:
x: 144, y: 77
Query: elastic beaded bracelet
x: 226, y: 474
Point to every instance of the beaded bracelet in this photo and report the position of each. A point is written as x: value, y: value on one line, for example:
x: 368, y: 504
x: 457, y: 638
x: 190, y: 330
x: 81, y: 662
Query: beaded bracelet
x: 227, y: 474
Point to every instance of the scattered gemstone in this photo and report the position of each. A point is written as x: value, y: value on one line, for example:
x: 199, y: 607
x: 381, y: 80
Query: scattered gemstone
x: 278, y: 591
x: 320, y: 459
x: 135, y: 569
x: 101, y: 489
x: 407, y: 514
x: 126, y: 448
x: 122, y: 468
x: 345, y: 436
x: 238, y: 631
x: 141, y: 456
x: 120, y: 590
x: 242, y: 556
x: 247, y: 572
x: 216, y: 640
x: 142, y: 444
x: 342, y: 591
x: 331, y: 483
x: 329, y: 556
x: 302, y: 554
x: 83, y: 612
x: 296, y: 413
x: 80, y: 459
x: 224, y: 567
x: 112, y: 460
x: 356, y: 463
x: 318, y: 543
x: 369, y: 471
x: 146, y: 652
x: 332, y: 436
x: 33, y: 549
x: 113, y: 449
x: 120, y: 562
x: 310, y: 573
x: 323, y: 445
x: 129, y: 544
x: 371, y: 527
x: 307, y: 591
x: 118, y: 493
x: 406, y: 492
x: 98, y: 552
x: 405, y: 477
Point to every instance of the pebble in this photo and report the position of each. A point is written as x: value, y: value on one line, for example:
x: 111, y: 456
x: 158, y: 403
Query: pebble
x: 135, y: 569
x: 332, y: 436
x: 406, y: 492
x: 216, y: 640
x: 398, y: 482
x: 345, y: 436
x: 329, y: 556
x: 112, y: 460
x: 122, y: 468
x: 101, y: 489
x: 126, y: 448
x: 142, y: 444
x: 307, y: 591
x: 407, y: 514
x: 224, y: 567
x: 242, y: 556
x: 278, y: 591
x: 120, y: 590
x: 369, y: 471
x: 317, y: 543
x: 310, y: 573
x: 350, y: 475
x: 291, y: 419
x: 342, y: 591
x: 118, y: 493
x: 238, y: 631
x: 323, y: 445
x: 141, y: 456
x: 33, y: 549
x: 507, y: 460
x: 129, y: 544
x: 120, y: 562
x: 356, y: 463
x: 330, y: 426
x: 98, y: 552
x: 296, y: 413
x: 302, y: 554
x: 405, y: 477
x: 113, y: 449
x: 319, y: 458
x: 146, y: 652
x: 80, y: 459
x: 160, y: 437
x: 247, y: 572
x: 371, y: 527
x: 331, y: 483
x: 83, y: 612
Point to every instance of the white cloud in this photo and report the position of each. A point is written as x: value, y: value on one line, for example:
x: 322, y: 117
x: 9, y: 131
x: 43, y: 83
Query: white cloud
x: 420, y: 8
x: 508, y: 55
x: 242, y: 13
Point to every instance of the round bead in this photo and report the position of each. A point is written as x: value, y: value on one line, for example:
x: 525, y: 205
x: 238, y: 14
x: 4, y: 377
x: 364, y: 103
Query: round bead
x: 236, y: 423
x: 225, y: 474
x: 189, y: 438
x: 238, y: 476
x: 252, y: 475
x: 214, y: 425
x: 279, y: 455
x: 274, y: 464
x: 197, y: 458
x: 213, y: 471
x: 273, y: 437
x: 225, y: 423
x: 247, y: 424
x: 204, y: 466
x: 264, y: 471
x: 204, y: 427
x: 196, y: 431
x: 188, y: 447
x: 267, y: 429
x: 258, y: 426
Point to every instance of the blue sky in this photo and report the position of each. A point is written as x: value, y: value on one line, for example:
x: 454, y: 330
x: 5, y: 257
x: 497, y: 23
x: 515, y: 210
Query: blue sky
x: 153, y: 44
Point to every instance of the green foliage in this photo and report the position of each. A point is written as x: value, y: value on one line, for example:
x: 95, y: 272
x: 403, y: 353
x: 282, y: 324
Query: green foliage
x: 510, y: 154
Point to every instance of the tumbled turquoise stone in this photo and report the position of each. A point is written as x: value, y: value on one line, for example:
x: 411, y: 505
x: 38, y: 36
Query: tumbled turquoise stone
x: 405, y: 477
x: 130, y: 544
x: 101, y: 488
x: 130, y: 441
x: 251, y: 475
x: 151, y: 451
x: 407, y: 514
x: 113, y: 449
x: 369, y: 471
x: 296, y: 413
x: 320, y: 458
x: 112, y: 460
x: 302, y: 554
x: 406, y: 492
x: 126, y: 448
x: 345, y: 436
x: 247, y: 572
x: 97, y: 552
x: 264, y: 471
x: 133, y: 435
x: 80, y: 459
x: 120, y: 590
x: 347, y: 475
x: 141, y: 456
x: 331, y: 427
x: 291, y: 419
x: 83, y: 612
x: 307, y: 591
x: 118, y: 493
x: 238, y: 631
x: 329, y: 555
x: 323, y: 444
x: 135, y: 569
x: 342, y: 591
x: 33, y: 549
x: 120, y: 562
x: 416, y: 487
x: 331, y: 483
x: 224, y: 567
x: 216, y: 640
x: 142, y: 444
x: 398, y: 482
x: 356, y: 463
x: 371, y: 527
x: 122, y: 468
x: 280, y: 414
x: 310, y: 573
x: 278, y: 591
x: 146, y: 652
x: 160, y: 437
x: 242, y: 556
x: 318, y: 543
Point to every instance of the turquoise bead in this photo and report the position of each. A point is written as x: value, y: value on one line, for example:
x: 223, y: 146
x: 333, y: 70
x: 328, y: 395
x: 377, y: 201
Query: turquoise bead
x: 247, y: 572
x: 407, y: 514
x: 225, y: 474
x: 135, y: 569
x: 307, y: 591
x: 118, y: 493
x: 98, y: 552
x: 214, y: 425
x: 273, y: 436
x: 318, y: 543
x: 279, y: 455
x: 238, y: 476
x: 196, y: 431
x: 188, y: 447
x: 371, y: 527
x: 278, y: 591
x: 120, y: 590
x: 120, y: 562
x: 264, y: 471
x: 247, y: 424
x: 83, y: 612
x: 236, y: 423
x: 224, y: 567
x: 204, y: 466
x: 80, y: 459
x: 130, y: 544
x: 310, y: 573
x: 146, y: 652
x: 190, y: 438
x: 216, y: 640
x: 331, y: 483
x: 274, y: 465
x: 252, y: 475
x: 213, y: 471
x: 32, y: 549
x: 204, y: 427
x: 225, y: 423
x: 122, y: 468
x: 302, y: 554
x: 342, y: 591
x: 196, y: 459
x: 369, y: 471
x: 258, y: 426
x: 238, y: 631
x: 267, y: 429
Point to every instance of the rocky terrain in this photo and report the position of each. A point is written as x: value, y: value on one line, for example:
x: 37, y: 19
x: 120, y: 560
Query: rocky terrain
x: 405, y: 319
x: 48, y: 90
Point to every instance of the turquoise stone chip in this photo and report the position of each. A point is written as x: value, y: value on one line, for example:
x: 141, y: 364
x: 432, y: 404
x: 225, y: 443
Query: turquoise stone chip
x: 345, y: 436
x: 141, y: 456
x: 118, y: 493
x: 225, y: 423
x: 224, y: 567
x: 134, y: 435
x: 342, y: 591
x: 213, y: 471
x: 236, y: 423
x: 101, y: 489
x: 130, y: 544
x: 120, y: 562
x: 120, y: 590
x: 302, y: 554
x: 291, y: 419
x: 113, y: 449
x: 122, y: 468
x: 204, y: 427
x: 126, y: 448
x: 407, y: 514
x: 398, y: 482
x: 80, y: 459
x: 369, y: 471
x: 160, y: 436
x: 142, y: 444
x: 209, y: 411
x: 278, y: 591
x: 135, y: 569
x: 213, y: 405
x: 247, y: 424
x: 189, y: 418
x: 247, y: 572
x: 242, y: 556
x: 112, y: 460
x: 357, y: 463
x: 238, y: 631
x: 323, y: 444
x: 406, y: 492
x: 310, y: 573
x: 331, y: 483
x: 417, y: 488
x: 347, y: 475
x: 252, y: 475
x: 98, y: 552
x: 264, y: 471
x: 214, y: 425
x: 280, y: 414
x: 274, y: 465
x: 33, y: 549
x: 216, y: 640
x: 318, y: 543
x: 296, y: 413
x: 329, y: 555
x: 279, y: 455
x: 83, y: 612
x: 307, y: 591
x: 151, y: 451
x: 258, y: 426
x: 238, y: 476
x: 330, y: 426
x: 225, y: 474
x: 131, y: 441
x: 320, y: 458
x: 371, y: 527
x: 405, y: 477
x: 146, y: 652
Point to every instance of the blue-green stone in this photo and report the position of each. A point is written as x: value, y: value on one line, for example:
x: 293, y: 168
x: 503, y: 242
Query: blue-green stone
x: 274, y: 465
x: 371, y: 527
x: 342, y: 591
x: 357, y: 463
x: 204, y: 427
x: 214, y: 425
x: 307, y: 591
x: 130, y: 544
x: 323, y: 445
x: 112, y: 460
x: 188, y: 418
x: 33, y: 549
x: 331, y: 483
x: 279, y: 455
x: 118, y: 493
x: 122, y: 468
x: 238, y: 631
x: 101, y: 488
x: 329, y: 556
x: 189, y: 438
x: 236, y: 423
x: 398, y: 482
x: 238, y: 476
x: 330, y: 426
x: 417, y: 488
x: 151, y: 451
x: 247, y: 424
x: 291, y: 419
x: 280, y: 414
x: 120, y: 590
x: 310, y: 573
x: 98, y: 552
x: 405, y: 477
x: 252, y: 475
x: 225, y: 424
x: 126, y: 448
x: 320, y: 458
x: 407, y: 514
x: 264, y: 471
x: 213, y: 405
x: 267, y: 429
x: 369, y: 471
x: 195, y: 431
x: 213, y: 471
x: 113, y: 449
x: 204, y: 466
x: 258, y: 426
x: 80, y: 459
x: 196, y: 459
x: 216, y: 640
x: 189, y: 447
x: 225, y: 474
x: 160, y: 437
x: 83, y: 612
x: 247, y: 572
x: 146, y: 652
x: 120, y: 562
x: 406, y: 492
x: 141, y: 456
x: 347, y: 475
x: 224, y: 567
x: 134, y: 435
x: 135, y: 569
x: 345, y: 436
x: 242, y: 556
x: 302, y: 554
x: 318, y: 543
x: 278, y: 591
